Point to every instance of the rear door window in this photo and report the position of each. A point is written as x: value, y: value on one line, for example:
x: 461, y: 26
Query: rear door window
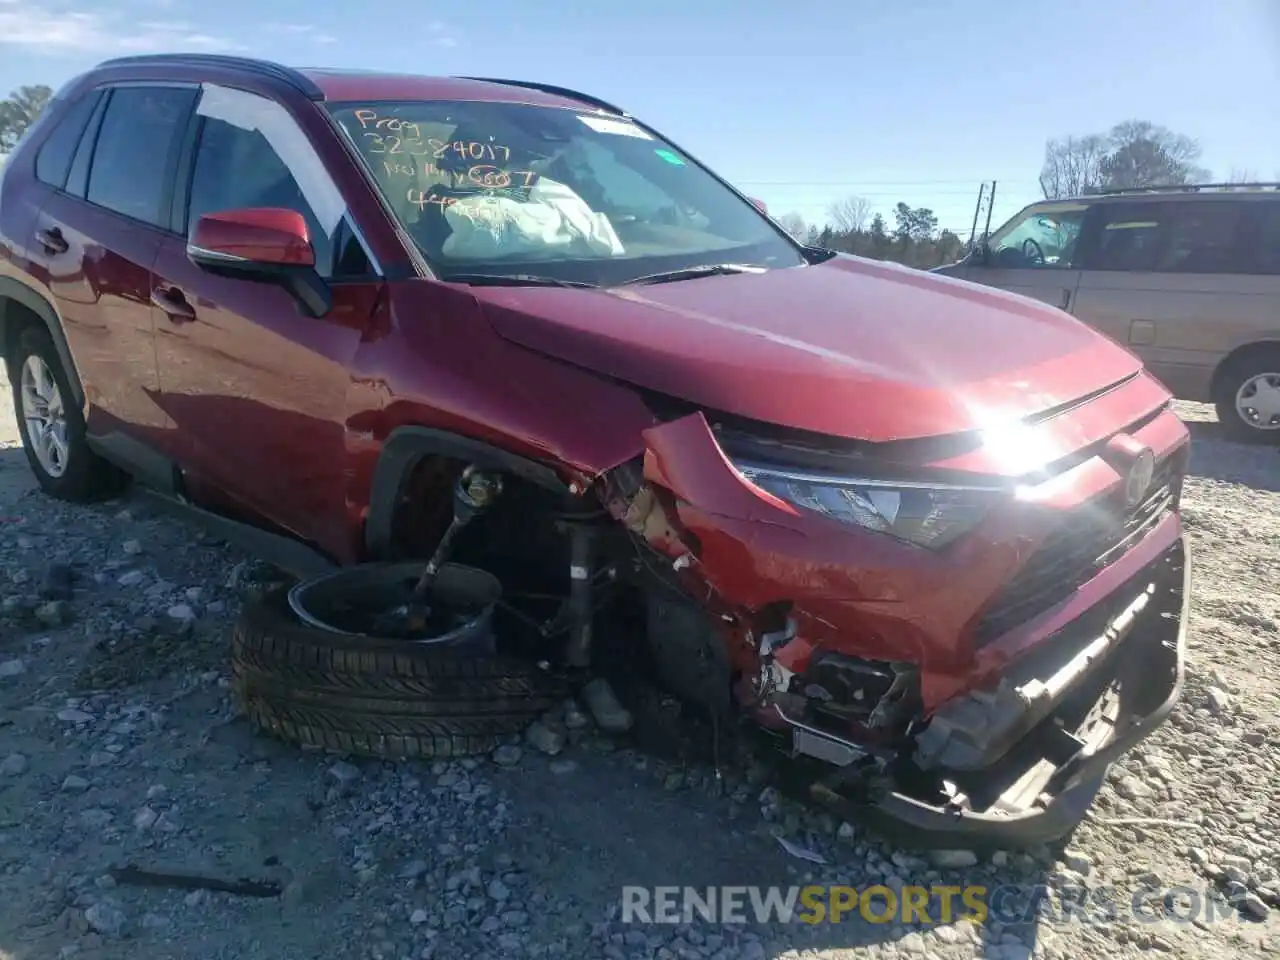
x: 137, y: 150
x: 53, y: 160
x: 1129, y: 237
x: 1204, y: 237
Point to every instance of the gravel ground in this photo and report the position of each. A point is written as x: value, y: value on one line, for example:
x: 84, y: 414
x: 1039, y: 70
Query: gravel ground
x: 119, y: 746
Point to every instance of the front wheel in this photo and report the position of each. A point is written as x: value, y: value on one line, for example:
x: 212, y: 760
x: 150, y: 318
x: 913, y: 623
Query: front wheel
x: 52, y: 427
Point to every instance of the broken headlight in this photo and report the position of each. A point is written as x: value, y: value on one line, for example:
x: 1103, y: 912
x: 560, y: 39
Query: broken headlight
x: 926, y: 514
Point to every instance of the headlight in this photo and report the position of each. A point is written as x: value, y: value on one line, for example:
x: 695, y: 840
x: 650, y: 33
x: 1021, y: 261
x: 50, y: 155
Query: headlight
x: 929, y: 515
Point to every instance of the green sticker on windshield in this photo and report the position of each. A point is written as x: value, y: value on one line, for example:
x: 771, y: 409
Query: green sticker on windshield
x: 670, y: 157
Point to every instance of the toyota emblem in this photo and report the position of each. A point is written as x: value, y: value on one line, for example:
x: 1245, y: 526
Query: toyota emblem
x: 1141, y: 472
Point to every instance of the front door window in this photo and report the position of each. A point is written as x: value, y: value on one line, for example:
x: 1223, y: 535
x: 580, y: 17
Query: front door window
x: 1039, y: 238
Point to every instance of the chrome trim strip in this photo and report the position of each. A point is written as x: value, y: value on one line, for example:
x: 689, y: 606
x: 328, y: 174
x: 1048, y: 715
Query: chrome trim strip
x: 208, y: 254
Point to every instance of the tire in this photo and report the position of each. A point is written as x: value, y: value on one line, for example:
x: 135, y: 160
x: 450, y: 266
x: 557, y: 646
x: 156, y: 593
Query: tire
x: 84, y: 476
x: 1233, y: 376
x: 378, y: 698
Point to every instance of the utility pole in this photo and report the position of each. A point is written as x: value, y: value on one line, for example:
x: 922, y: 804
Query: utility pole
x: 986, y: 201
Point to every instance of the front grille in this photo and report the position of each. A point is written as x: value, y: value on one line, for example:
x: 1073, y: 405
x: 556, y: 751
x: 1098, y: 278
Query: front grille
x: 1087, y: 540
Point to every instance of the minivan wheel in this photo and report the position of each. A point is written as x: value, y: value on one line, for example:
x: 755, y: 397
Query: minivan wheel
x: 1247, y: 398
x: 52, y: 427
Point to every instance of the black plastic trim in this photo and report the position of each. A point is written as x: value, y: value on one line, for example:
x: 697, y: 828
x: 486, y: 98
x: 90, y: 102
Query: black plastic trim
x: 11, y: 289
x: 402, y: 451
x: 139, y: 461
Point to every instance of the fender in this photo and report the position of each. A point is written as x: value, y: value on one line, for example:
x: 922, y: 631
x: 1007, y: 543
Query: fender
x: 406, y: 446
x: 14, y: 291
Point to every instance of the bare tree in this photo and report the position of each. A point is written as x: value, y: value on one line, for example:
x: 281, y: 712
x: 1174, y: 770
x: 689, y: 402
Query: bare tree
x: 1135, y: 153
x: 850, y: 214
x: 1144, y: 155
x: 1072, y: 166
x: 794, y: 224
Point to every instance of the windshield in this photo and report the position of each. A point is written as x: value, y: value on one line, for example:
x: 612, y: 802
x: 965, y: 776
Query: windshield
x: 511, y: 189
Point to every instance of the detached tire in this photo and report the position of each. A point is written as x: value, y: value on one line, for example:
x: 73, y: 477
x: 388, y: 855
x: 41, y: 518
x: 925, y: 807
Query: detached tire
x: 378, y: 698
x: 1256, y: 373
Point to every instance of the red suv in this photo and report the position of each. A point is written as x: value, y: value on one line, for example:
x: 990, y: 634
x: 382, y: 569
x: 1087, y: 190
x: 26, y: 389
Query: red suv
x: 925, y: 531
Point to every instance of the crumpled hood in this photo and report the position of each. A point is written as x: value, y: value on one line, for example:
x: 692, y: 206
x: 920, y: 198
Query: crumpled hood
x: 850, y: 348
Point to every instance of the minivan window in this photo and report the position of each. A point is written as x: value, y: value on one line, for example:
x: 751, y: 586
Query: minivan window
x: 1203, y: 237
x: 53, y: 161
x: 1044, y: 236
x: 1129, y: 237
x: 136, y: 143
x: 509, y: 188
x: 1263, y: 253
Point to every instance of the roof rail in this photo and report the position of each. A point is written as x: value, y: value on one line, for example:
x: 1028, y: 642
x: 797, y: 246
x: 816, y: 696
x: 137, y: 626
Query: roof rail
x: 555, y: 91
x: 1186, y: 188
x: 263, y: 68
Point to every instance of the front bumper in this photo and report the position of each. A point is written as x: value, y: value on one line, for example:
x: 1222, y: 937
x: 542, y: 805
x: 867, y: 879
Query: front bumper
x: 1038, y: 789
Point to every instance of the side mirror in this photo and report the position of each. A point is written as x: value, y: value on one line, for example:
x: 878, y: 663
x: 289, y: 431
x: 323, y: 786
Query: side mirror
x: 759, y: 205
x: 263, y: 244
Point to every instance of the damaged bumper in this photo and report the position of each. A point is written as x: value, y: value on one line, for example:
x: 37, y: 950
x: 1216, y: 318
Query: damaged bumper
x: 1070, y: 724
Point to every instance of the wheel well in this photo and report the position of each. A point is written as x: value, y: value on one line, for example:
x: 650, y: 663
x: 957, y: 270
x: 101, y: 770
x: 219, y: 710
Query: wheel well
x: 409, y: 451
x: 20, y: 307
x: 14, y: 318
x: 1236, y: 356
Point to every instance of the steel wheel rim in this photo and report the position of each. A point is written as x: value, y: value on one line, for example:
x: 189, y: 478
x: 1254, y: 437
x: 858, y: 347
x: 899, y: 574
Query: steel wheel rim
x: 1258, y: 401
x: 44, y: 416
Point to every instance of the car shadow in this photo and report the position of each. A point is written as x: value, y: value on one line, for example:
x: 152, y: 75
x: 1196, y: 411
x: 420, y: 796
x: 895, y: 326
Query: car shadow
x: 15, y: 476
x: 1216, y: 457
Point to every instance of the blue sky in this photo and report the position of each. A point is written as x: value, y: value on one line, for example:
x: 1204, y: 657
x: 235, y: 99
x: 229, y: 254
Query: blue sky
x: 798, y: 104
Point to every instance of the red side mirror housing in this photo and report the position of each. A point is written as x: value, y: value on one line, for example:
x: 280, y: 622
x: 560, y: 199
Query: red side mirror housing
x: 265, y: 245
x: 759, y: 205
x: 254, y: 237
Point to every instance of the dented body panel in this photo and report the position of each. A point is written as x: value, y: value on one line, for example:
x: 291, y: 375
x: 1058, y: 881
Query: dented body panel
x: 863, y: 593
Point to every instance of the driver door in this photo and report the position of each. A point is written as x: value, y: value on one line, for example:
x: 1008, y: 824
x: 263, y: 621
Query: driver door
x: 1034, y: 255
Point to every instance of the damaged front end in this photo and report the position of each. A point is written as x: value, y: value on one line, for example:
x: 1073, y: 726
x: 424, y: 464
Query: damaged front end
x: 924, y: 637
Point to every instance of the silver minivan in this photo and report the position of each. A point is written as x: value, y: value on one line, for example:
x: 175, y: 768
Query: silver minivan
x: 1188, y: 278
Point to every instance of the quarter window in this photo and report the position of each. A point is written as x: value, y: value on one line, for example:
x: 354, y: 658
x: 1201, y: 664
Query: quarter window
x: 136, y: 147
x: 54, y: 159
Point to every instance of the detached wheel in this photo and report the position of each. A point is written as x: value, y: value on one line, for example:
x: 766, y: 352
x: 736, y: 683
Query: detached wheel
x: 392, y: 699
x: 1247, y: 397
x: 52, y: 427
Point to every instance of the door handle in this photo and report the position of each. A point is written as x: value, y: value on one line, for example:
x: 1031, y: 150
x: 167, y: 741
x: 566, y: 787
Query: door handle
x: 52, y: 240
x: 173, y: 303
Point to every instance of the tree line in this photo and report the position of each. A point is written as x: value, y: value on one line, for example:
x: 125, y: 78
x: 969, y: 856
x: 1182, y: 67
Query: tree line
x: 1135, y: 153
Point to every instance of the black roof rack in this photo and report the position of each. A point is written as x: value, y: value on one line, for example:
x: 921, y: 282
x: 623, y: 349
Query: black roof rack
x: 1187, y: 188
x: 555, y: 91
x: 263, y: 68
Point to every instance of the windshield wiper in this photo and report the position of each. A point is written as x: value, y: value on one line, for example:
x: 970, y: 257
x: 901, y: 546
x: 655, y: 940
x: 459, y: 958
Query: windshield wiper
x: 692, y: 273
x: 512, y: 280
